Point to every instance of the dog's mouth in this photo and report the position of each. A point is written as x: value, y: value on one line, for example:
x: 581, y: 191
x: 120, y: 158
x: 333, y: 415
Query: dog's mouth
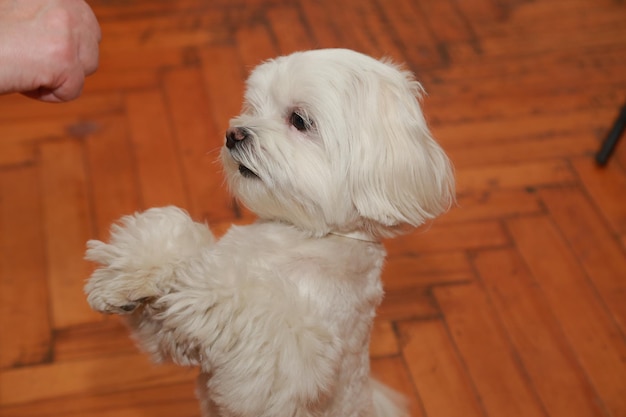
x: 243, y: 169
x: 247, y: 172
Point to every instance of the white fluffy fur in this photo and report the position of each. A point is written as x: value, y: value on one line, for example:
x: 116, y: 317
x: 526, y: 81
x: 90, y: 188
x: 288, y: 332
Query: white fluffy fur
x: 277, y: 314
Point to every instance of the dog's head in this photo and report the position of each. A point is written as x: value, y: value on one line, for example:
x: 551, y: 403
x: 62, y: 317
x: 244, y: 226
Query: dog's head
x: 332, y: 140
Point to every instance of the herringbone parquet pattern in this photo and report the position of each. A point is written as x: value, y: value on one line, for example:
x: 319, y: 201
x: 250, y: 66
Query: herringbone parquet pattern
x: 513, y: 304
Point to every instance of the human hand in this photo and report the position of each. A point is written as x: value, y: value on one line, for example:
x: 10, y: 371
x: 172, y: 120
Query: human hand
x: 47, y: 47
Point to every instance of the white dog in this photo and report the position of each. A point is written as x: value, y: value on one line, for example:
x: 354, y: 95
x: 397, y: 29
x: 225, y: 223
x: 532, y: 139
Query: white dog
x: 332, y: 153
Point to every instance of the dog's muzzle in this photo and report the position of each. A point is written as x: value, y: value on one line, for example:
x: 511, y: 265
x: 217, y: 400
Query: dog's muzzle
x: 235, y: 138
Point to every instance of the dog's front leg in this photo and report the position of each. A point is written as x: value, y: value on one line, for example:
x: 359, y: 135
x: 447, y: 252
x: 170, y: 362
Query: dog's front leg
x: 267, y: 347
x: 142, y: 260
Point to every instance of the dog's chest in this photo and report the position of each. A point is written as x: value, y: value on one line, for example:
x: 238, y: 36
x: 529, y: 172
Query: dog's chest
x: 342, y: 276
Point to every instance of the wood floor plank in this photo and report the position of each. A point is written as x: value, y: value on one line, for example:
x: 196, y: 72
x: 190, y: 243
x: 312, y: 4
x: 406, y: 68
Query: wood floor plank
x: 255, y: 44
x: 450, y: 237
x: 67, y: 379
x: 446, y: 22
x: 166, y: 31
x: 20, y: 138
x: 67, y: 227
x: 482, y: 77
x: 163, y: 400
x: 601, y: 257
x: 359, y: 22
x: 17, y: 107
x: 515, y: 176
x: 493, y: 204
x: 106, y: 338
x: 425, y: 262
x: 200, y: 144
x: 383, y: 45
x: 107, y: 11
x: 449, y: 101
x: 587, y: 325
x: 25, y: 325
x: 490, y: 359
x: 383, y: 341
x: 481, y: 13
x: 113, y: 179
x: 392, y: 372
x: 121, y: 80
x: 545, y: 353
x: 437, y: 371
x: 289, y: 30
x: 157, y: 156
x: 406, y: 271
x: 16, y: 153
x: 408, y: 303
x: 606, y: 34
x: 326, y: 33
x: 336, y: 14
x: 576, y: 15
x: 606, y: 186
x: 408, y: 24
x: 224, y: 75
x: 43, y: 128
x: 141, y: 59
x: 556, y: 145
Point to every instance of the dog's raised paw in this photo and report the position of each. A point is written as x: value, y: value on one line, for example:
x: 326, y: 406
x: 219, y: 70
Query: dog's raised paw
x: 139, y: 262
x: 132, y: 306
x: 107, y: 308
x: 119, y: 291
x: 112, y: 302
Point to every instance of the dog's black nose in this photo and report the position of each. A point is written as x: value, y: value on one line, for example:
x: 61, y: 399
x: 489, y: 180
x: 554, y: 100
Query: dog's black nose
x: 235, y: 135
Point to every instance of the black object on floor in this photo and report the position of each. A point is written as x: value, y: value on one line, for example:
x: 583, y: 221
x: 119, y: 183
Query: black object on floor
x: 608, y: 146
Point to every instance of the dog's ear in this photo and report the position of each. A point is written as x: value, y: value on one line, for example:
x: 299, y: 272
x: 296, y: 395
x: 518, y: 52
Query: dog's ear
x: 408, y: 179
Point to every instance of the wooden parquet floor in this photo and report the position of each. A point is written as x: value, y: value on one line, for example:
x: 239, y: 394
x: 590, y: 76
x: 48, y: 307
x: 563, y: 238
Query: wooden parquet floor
x: 513, y: 304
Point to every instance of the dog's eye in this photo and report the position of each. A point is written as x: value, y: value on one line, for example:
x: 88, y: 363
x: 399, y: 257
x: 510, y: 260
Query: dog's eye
x: 299, y: 122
